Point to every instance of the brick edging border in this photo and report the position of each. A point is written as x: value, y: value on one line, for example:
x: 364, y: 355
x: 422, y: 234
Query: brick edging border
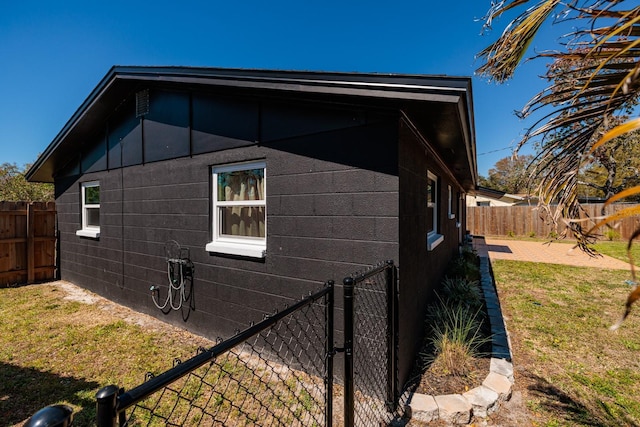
x: 496, y: 387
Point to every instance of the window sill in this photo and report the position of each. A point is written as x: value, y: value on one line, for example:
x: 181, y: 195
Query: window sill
x: 433, y: 240
x: 92, y: 234
x: 240, y: 249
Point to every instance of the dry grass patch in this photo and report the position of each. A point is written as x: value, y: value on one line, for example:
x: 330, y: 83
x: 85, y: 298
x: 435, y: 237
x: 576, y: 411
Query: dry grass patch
x: 59, y: 350
x: 60, y: 345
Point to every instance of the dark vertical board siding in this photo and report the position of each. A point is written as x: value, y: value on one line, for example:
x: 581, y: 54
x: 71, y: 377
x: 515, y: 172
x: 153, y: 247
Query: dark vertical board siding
x: 222, y: 123
x: 281, y: 121
x: 166, y: 127
x: 95, y: 156
x: 124, y: 137
x: 346, y: 188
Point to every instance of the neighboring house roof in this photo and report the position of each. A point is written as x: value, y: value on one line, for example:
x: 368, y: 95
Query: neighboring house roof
x: 503, y: 197
x: 489, y: 192
x: 439, y: 107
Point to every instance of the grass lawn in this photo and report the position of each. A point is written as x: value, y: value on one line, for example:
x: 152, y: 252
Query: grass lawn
x: 617, y: 249
x: 56, y: 350
x: 570, y: 369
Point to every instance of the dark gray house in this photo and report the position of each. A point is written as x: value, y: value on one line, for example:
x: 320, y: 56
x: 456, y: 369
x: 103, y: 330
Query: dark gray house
x: 273, y: 181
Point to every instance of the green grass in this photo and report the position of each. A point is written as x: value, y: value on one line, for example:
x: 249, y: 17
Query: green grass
x: 573, y: 371
x: 57, y: 351
x: 54, y: 350
x: 618, y: 250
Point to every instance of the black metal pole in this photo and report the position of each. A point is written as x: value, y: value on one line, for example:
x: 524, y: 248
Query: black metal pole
x: 107, y: 400
x: 349, y: 408
x: 52, y: 416
x: 329, y: 352
x: 392, y: 336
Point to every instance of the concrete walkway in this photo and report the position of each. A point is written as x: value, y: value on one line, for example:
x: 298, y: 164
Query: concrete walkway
x: 551, y: 253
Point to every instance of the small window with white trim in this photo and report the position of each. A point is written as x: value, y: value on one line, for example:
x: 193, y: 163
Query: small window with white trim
x: 433, y: 237
x: 90, y: 209
x: 239, y: 210
x: 450, y: 211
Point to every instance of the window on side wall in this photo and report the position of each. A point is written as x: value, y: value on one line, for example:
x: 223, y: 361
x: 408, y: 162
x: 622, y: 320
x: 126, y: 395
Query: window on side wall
x: 450, y: 210
x: 239, y: 210
x: 434, y: 238
x: 90, y: 205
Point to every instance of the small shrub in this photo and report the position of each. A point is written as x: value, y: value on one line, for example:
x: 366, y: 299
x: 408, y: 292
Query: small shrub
x: 456, y: 339
x: 612, y: 234
x: 532, y: 234
x: 465, y: 266
x: 461, y: 291
x: 469, y: 254
x: 455, y: 328
x: 511, y: 234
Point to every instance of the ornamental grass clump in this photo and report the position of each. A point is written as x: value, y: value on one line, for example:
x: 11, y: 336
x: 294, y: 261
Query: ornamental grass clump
x: 465, y: 266
x: 463, y: 292
x: 455, y: 339
x: 455, y: 333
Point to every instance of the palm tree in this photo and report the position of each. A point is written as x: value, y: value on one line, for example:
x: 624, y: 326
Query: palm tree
x: 594, y: 87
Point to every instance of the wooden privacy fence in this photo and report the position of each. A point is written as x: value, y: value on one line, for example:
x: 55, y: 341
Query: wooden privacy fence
x: 27, y: 242
x: 528, y: 221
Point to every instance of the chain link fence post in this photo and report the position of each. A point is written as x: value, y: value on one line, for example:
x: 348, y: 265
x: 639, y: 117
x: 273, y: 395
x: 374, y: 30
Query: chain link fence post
x: 392, y: 336
x: 329, y: 352
x: 107, y: 398
x: 349, y: 391
x: 52, y: 416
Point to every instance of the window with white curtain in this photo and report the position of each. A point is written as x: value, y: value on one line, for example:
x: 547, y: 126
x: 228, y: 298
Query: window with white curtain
x: 90, y: 209
x: 239, y: 210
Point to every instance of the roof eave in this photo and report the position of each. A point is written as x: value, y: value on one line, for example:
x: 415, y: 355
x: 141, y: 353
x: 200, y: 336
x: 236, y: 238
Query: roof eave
x: 414, y: 89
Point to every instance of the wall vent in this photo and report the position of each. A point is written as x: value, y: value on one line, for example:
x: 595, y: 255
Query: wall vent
x: 142, y: 103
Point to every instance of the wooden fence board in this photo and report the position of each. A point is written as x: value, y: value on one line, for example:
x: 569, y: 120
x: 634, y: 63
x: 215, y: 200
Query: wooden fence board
x: 528, y: 221
x: 27, y: 242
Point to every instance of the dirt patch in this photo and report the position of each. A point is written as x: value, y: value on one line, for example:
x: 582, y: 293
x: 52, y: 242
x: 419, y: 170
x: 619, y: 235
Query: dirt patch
x: 436, y: 383
x: 75, y: 293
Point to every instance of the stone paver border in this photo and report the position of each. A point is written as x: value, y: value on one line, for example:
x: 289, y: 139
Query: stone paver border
x: 497, y: 386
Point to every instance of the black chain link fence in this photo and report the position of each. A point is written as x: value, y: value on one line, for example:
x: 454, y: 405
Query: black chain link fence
x: 375, y: 340
x: 277, y: 372
x: 273, y: 373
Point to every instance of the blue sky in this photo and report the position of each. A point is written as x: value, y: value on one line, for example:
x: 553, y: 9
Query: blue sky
x: 54, y: 53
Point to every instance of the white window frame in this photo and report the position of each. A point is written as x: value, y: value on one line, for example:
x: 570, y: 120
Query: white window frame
x: 254, y: 247
x: 433, y: 237
x: 450, y: 212
x: 88, y: 230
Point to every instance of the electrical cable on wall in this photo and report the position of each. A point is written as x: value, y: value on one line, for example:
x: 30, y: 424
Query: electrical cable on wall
x: 179, y: 272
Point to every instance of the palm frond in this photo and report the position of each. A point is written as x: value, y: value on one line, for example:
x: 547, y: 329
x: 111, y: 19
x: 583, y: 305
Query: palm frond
x: 627, y: 127
x: 622, y: 213
x: 504, y: 55
x: 594, y: 83
x: 623, y: 194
